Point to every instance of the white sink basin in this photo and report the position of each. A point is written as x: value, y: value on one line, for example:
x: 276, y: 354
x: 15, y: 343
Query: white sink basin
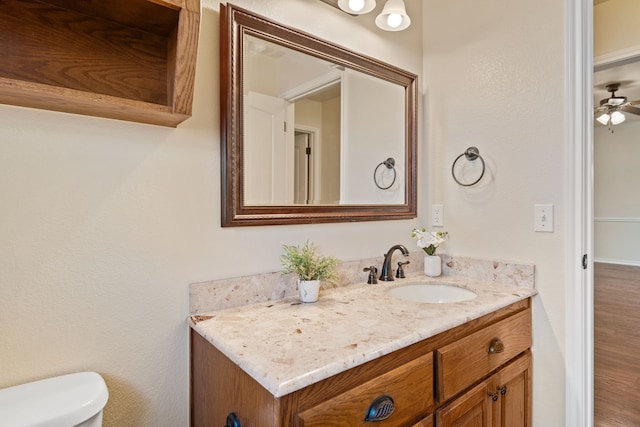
x: 432, y: 293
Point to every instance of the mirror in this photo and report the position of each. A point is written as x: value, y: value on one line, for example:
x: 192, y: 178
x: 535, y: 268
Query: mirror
x: 310, y: 131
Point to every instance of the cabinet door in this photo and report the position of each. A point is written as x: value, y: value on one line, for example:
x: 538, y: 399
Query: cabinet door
x: 425, y: 422
x: 513, y: 386
x: 503, y: 400
x: 472, y: 409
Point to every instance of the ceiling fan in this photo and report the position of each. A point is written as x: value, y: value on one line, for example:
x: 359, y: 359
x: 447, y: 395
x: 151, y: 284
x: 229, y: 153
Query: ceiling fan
x: 610, y: 110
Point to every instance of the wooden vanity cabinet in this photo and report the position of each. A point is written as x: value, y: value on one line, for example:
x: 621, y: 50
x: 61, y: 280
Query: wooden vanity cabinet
x: 497, y: 355
x: 426, y: 422
x: 450, y: 379
x: 123, y: 59
x: 218, y: 387
x: 472, y: 409
x: 503, y: 400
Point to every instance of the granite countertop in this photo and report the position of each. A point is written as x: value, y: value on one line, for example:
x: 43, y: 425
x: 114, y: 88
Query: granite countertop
x: 286, y: 345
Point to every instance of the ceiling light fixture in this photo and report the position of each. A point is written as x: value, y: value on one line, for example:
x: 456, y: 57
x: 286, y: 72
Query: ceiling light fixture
x: 357, y: 7
x: 604, y: 119
x: 392, y: 18
x: 611, y: 118
x: 610, y: 111
x: 617, y: 117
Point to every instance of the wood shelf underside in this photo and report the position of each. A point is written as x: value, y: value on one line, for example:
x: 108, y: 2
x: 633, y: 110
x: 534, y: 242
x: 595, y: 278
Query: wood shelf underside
x: 65, y: 60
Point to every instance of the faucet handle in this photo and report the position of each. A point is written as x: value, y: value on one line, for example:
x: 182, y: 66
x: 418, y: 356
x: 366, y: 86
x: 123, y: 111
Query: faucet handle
x: 400, y: 272
x: 372, y: 280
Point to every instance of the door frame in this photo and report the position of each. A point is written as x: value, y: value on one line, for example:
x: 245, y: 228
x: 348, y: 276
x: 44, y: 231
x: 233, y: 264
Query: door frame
x: 579, y: 381
x: 579, y: 222
x: 315, y: 142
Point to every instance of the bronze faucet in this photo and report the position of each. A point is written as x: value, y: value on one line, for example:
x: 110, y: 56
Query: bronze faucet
x: 386, y: 275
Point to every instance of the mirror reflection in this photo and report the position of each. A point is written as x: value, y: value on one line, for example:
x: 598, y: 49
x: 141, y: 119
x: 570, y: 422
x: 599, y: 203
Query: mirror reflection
x: 309, y: 128
x: 315, y: 131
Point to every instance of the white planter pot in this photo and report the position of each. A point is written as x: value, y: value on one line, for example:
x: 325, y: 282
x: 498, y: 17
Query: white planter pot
x: 432, y: 265
x: 309, y: 290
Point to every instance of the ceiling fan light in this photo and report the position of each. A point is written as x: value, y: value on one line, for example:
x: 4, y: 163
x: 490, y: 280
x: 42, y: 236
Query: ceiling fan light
x: 604, y: 119
x: 357, y: 7
x: 617, y: 100
x: 393, y: 16
x: 617, y: 117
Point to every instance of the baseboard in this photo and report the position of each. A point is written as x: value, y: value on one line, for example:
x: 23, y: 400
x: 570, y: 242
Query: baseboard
x: 618, y: 261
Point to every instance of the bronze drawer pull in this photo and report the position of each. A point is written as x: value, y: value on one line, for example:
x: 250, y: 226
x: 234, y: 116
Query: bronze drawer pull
x: 232, y: 420
x: 496, y: 346
x: 380, y: 409
x: 494, y: 396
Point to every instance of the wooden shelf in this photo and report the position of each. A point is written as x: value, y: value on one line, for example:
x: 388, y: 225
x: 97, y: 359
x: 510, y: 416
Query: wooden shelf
x: 123, y: 59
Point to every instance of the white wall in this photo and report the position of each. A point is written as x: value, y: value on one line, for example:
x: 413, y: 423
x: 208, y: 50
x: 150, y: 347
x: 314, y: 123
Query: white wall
x: 616, y: 175
x: 376, y: 132
x: 616, y: 201
x: 494, y: 79
x: 104, y: 224
x: 615, y: 26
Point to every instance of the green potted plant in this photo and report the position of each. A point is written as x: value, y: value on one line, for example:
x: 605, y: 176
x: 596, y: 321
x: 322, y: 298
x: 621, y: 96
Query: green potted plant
x: 313, y: 270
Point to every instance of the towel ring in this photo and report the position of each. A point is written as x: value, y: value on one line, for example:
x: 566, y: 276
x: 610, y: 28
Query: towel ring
x: 471, y: 154
x: 390, y: 163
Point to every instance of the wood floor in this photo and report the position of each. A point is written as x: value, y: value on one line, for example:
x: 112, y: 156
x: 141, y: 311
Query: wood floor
x: 617, y: 346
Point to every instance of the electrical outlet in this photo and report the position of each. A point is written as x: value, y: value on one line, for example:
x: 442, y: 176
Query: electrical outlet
x: 437, y: 216
x: 543, y: 219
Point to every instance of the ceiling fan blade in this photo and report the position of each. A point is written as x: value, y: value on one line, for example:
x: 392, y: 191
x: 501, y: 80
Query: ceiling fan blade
x: 634, y: 102
x: 630, y: 109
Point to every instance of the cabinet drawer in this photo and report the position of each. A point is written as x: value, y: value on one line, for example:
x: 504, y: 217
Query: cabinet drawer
x: 410, y: 386
x: 462, y: 363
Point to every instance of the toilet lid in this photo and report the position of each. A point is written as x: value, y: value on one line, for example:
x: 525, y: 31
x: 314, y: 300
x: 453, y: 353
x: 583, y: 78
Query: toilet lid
x: 62, y: 401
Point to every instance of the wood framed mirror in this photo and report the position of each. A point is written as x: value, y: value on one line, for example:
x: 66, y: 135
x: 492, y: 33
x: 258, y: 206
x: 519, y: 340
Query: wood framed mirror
x: 311, y: 132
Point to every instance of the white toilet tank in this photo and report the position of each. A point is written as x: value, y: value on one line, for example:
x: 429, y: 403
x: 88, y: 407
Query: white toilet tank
x: 71, y: 400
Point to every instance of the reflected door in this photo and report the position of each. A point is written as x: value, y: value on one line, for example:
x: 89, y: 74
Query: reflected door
x: 268, y: 157
x: 302, y: 168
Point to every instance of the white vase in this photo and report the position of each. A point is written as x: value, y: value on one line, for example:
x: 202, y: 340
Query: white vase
x: 309, y: 290
x: 432, y: 265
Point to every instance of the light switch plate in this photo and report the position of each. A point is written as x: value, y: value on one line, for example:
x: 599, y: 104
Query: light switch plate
x: 543, y: 218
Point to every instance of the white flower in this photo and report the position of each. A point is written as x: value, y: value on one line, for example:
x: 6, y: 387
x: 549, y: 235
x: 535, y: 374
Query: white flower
x: 429, y: 241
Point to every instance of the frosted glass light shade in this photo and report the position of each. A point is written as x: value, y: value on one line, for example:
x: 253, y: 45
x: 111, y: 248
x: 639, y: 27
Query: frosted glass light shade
x: 604, y: 119
x: 357, y: 7
x: 618, y: 100
x: 617, y: 117
x: 393, y: 16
